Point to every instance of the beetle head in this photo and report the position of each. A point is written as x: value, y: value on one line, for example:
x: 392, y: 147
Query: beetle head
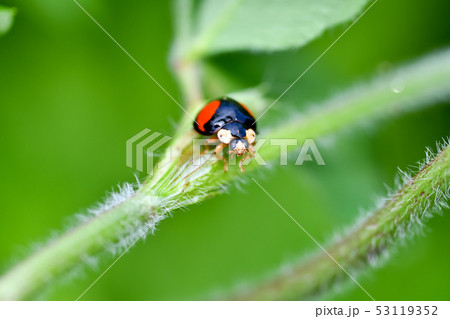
x: 239, y: 146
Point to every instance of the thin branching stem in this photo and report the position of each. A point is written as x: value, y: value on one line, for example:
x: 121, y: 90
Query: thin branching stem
x: 398, y: 216
x: 180, y: 182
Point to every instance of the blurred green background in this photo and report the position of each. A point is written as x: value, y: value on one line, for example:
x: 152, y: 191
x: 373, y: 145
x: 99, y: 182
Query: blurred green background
x: 70, y: 98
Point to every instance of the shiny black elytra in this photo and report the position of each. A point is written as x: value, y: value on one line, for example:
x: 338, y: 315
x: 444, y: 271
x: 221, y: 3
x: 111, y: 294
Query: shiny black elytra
x: 230, y: 122
x: 217, y: 113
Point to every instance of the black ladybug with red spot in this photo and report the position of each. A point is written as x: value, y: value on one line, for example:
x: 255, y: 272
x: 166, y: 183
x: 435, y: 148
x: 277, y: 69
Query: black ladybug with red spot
x: 231, y: 123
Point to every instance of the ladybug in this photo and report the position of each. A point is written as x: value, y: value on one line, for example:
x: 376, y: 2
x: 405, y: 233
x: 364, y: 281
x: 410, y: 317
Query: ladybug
x: 230, y: 123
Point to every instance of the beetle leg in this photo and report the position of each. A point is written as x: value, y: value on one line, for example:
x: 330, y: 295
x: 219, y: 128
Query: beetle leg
x: 241, y: 162
x: 211, y: 140
x: 218, y: 149
x: 251, y: 149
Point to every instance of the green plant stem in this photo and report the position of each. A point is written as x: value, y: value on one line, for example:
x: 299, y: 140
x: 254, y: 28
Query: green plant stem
x: 179, y: 183
x: 202, y: 41
x: 187, y: 71
x: 6, y: 19
x: 418, y: 84
x: 62, y: 253
x: 401, y: 213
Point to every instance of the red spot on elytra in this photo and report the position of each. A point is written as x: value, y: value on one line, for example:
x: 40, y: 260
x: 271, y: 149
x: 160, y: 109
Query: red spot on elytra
x: 206, y: 114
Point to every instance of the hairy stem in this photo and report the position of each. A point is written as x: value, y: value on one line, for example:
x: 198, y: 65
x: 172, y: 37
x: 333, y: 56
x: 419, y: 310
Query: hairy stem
x: 68, y: 250
x: 179, y: 181
x: 404, y: 89
x: 403, y: 211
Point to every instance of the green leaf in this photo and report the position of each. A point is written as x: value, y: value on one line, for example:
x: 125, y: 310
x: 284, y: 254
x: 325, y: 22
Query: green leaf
x: 266, y: 25
x: 6, y: 19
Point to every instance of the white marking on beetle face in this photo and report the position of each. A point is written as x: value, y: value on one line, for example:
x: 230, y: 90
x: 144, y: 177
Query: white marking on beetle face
x: 224, y: 136
x: 240, y: 148
x: 250, y: 135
